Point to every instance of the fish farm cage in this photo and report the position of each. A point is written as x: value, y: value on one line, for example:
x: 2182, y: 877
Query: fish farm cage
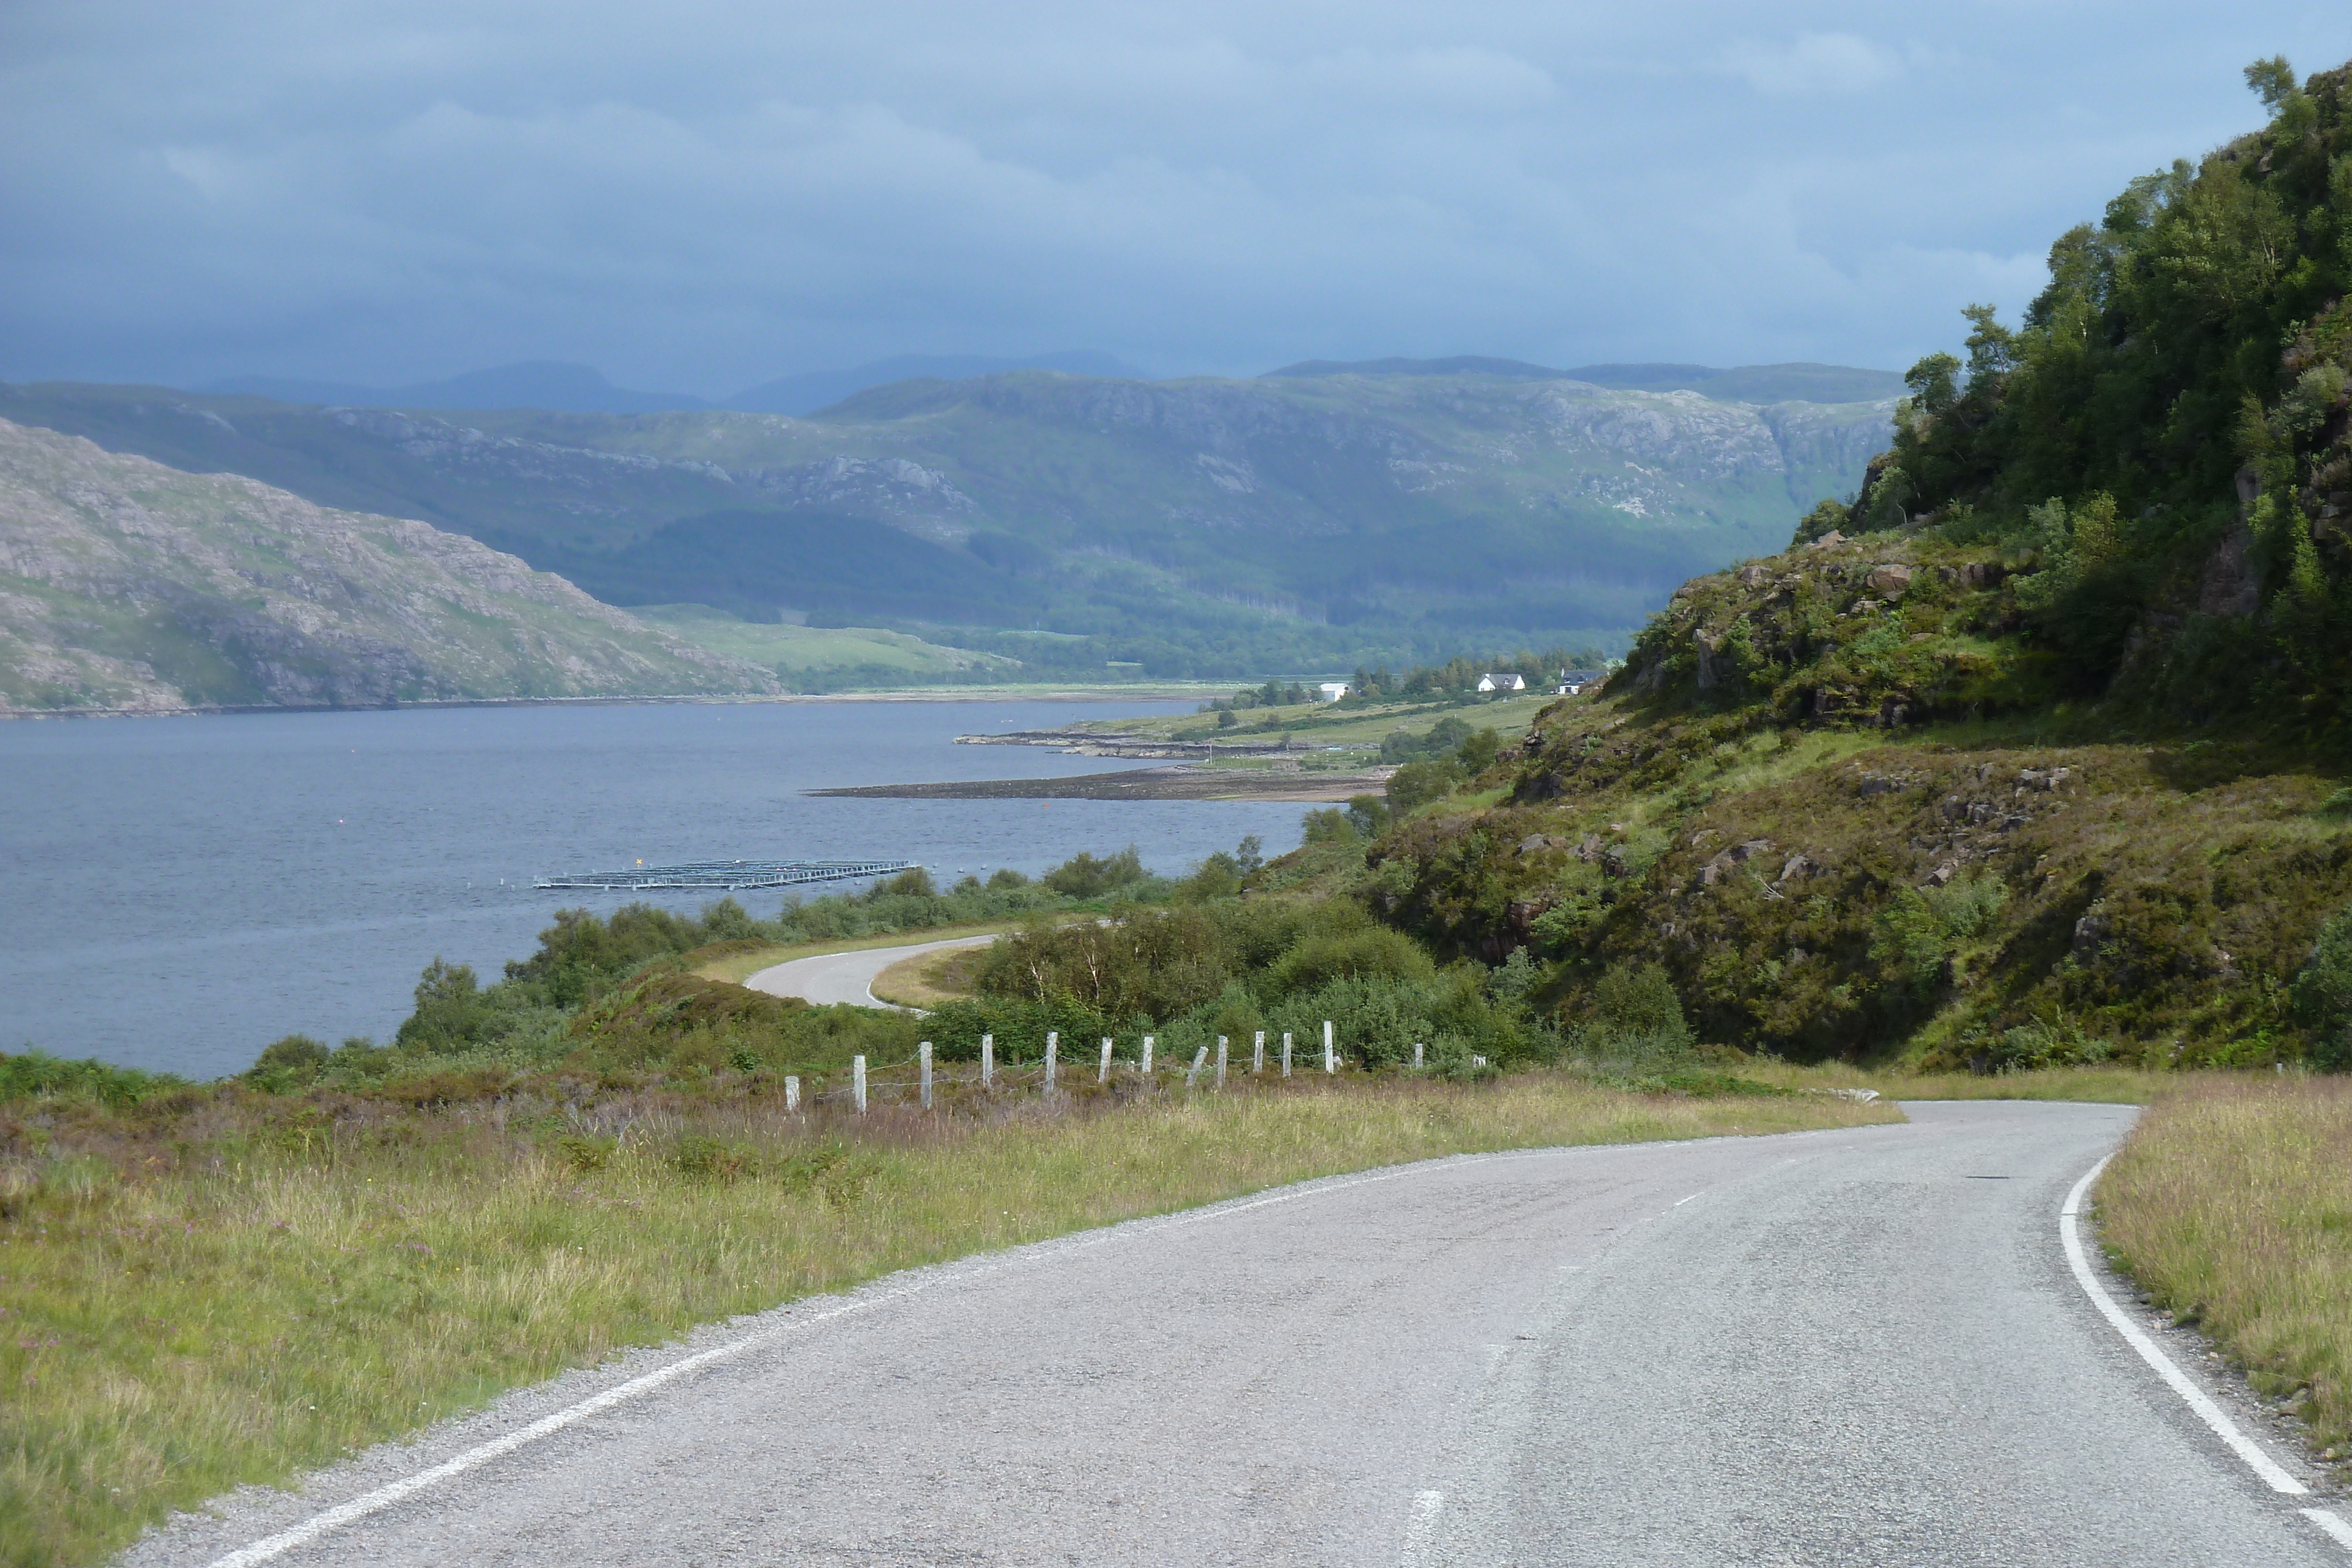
x: 728, y: 874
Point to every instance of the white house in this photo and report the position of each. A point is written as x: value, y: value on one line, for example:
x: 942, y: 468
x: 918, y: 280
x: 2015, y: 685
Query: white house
x: 1574, y: 680
x: 1332, y: 691
x: 1502, y: 683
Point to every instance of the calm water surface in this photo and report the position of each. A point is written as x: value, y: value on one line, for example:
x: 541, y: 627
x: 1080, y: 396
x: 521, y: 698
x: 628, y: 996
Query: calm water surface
x: 184, y: 891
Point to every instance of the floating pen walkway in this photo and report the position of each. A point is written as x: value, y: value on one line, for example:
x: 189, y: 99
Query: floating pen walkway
x: 728, y: 874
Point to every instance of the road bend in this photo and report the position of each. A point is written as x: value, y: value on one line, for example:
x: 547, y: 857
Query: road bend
x: 1847, y: 1347
x: 834, y: 977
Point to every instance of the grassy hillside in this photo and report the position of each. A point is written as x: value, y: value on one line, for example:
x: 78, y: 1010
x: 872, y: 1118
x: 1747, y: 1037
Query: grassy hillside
x: 1293, y: 523
x: 2044, y: 763
x: 810, y: 658
x: 128, y: 585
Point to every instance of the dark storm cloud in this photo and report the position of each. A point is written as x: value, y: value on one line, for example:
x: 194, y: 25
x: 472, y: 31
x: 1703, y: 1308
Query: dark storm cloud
x: 703, y: 196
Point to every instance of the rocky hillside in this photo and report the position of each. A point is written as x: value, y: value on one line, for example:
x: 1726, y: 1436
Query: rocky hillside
x: 1326, y: 516
x: 126, y: 585
x: 2045, y: 763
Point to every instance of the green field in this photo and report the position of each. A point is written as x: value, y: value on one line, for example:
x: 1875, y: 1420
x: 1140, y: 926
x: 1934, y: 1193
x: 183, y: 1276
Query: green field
x: 870, y: 654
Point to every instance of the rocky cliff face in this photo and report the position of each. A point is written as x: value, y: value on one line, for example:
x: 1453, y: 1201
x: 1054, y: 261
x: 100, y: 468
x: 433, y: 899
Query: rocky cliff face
x: 127, y: 585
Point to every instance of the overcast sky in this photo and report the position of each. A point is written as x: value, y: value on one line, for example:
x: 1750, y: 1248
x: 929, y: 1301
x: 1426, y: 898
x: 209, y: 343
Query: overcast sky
x: 699, y: 197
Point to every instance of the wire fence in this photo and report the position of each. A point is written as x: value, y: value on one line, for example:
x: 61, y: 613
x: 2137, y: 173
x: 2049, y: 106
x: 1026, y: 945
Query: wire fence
x: 1084, y: 1067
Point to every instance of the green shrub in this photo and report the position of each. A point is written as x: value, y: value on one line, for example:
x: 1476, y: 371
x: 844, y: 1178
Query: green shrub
x: 2322, y: 995
x: 293, y: 1062
x: 1375, y: 952
x: 1423, y: 783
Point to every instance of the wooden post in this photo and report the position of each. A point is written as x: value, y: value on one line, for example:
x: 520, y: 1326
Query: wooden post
x: 858, y: 1082
x: 1258, y: 1053
x: 927, y: 1075
x: 1147, y: 1056
x: 792, y: 1092
x: 1330, y: 1060
x: 1221, y: 1061
x: 1102, y: 1074
x: 1052, y: 1057
x: 987, y: 1062
x: 1199, y: 1056
x: 1285, y: 1053
x: 1416, y: 1056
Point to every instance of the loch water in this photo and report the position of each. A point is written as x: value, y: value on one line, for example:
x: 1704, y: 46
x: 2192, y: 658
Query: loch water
x: 182, y: 891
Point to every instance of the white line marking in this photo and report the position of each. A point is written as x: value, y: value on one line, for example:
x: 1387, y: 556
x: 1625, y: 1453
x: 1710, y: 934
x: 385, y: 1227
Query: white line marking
x: 1422, y: 1527
x: 2262, y: 1464
x: 2335, y: 1526
x: 1680, y: 1201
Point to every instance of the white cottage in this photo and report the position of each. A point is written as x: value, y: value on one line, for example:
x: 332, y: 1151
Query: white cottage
x: 1332, y: 691
x: 1502, y: 683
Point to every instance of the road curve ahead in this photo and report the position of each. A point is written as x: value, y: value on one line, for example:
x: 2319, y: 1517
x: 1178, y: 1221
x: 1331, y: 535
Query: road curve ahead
x: 1856, y: 1347
x: 831, y: 977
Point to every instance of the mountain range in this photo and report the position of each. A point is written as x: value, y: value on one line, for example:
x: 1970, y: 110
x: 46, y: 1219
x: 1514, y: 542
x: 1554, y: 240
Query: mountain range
x: 561, y: 387
x: 1301, y: 520
x: 126, y: 586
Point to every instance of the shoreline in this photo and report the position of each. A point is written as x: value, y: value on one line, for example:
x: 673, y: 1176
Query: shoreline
x: 1179, y: 783
x: 909, y: 695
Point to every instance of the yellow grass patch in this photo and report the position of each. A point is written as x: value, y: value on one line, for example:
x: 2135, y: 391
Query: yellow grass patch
x: 2231, y: 1204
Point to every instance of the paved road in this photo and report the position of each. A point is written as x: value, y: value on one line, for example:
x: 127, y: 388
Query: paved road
x: 1854, y: 1347
x: 846, y: 976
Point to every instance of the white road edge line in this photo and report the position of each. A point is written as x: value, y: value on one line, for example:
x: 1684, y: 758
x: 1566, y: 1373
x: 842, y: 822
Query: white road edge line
x: 384, y: 1497
x: 2261, y: 1463
x: 2331, y: 1523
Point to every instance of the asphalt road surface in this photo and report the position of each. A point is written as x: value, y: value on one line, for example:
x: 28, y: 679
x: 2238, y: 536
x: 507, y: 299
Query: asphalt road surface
x: 831, y: 977
x: 1856, y: 1347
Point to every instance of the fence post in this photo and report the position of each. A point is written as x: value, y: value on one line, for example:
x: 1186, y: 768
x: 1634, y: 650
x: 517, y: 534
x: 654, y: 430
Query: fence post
x: 858, y: 1082
x: 792, y: 1092
x: 1147, y: 1056
x: 1331, y: 1061
x: 1416, y: 1056
x: 1285, y: 1053
x: 1102, y: 1074
x: 1199, y: 1056
x: 927, y: 1075
x: 1221, y: 1061
x: 1053, y: 1056
x: 1258, y: 1053
x: 987, y: 1061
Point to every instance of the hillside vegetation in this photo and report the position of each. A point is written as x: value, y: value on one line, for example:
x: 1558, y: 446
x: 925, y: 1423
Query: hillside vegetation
x: 2031, y: 755
x: 125, y: 585
x: 1295, y: 523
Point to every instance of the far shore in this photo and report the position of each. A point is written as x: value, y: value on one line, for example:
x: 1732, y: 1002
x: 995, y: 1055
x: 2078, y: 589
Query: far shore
x: 1169, y: 693
x: 1183, y: 783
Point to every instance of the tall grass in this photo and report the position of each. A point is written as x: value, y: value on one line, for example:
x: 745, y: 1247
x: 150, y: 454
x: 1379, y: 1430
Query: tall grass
x: 262, y: 1288
x: 2231, y: 1204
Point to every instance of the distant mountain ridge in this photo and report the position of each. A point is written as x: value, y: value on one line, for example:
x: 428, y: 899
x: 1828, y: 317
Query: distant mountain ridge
x: 1795, y: 382
x: 558, y: 387
x: 537, y: 384
x: 127, y: 585
x: 1201, y: 526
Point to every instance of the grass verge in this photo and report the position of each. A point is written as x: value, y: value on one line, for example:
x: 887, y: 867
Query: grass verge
x: 927, y: 979
x: 190, y: 1306
x: 2231, y: 1205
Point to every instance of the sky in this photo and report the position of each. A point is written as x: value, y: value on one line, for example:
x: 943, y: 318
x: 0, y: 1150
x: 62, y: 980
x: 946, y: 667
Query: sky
x: 698, y: 197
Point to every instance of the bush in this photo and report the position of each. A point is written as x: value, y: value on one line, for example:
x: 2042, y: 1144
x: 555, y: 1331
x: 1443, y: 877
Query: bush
x: 36, y: 1072
x: 2322, y: 995
x: 292, y: 1063
x: 1423, y: 783
x: 1374, y: 952
x: 1635, y: 1013
x: 1084, y: 876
